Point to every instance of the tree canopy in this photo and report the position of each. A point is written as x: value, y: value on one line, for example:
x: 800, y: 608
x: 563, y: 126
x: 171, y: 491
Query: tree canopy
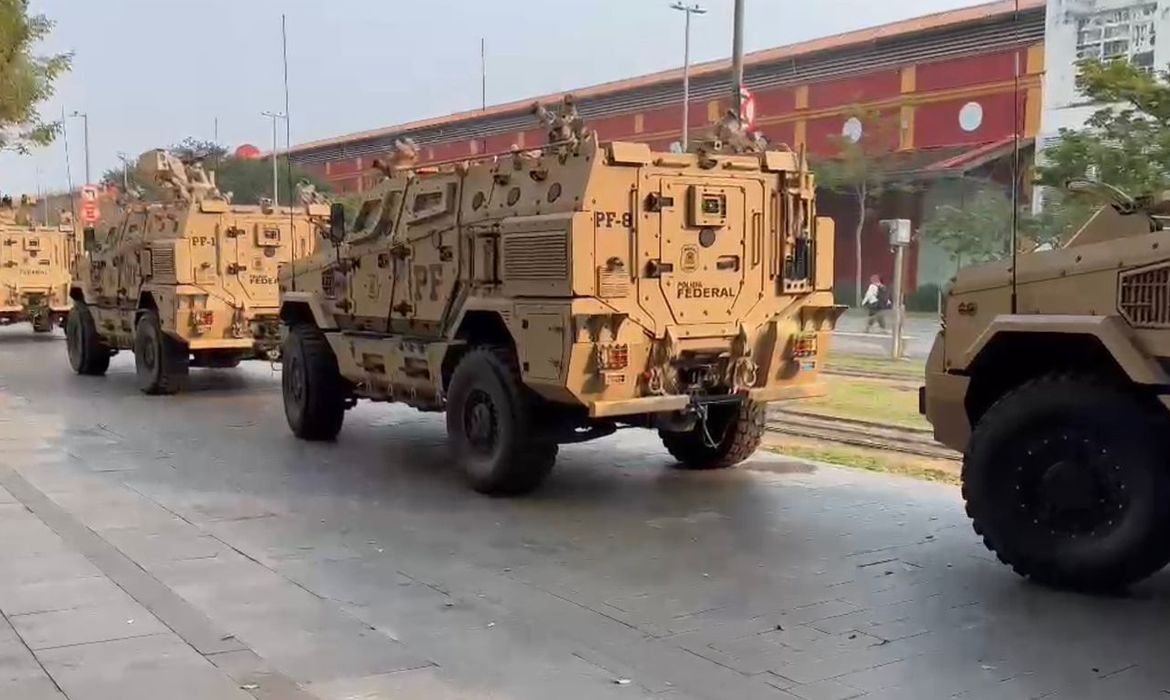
x: 26, y: 79
x: 864, y: 154
x: 979, y: 228
x: 1126, y: 140
x: 247, y: 179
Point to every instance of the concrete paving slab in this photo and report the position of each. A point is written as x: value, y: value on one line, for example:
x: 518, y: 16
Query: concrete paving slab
x: 59, y: 594
x: 140, y: 668
x: 84, y: 625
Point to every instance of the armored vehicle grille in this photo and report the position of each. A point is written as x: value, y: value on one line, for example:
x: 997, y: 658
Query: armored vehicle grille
x: 162, y: 262
x: 1145, y: 296
x: 536, y: 256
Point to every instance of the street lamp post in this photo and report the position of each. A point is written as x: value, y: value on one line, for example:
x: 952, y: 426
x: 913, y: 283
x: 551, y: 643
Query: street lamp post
x: 689, y: 10
x: 275, y: 171
x: 125, y: 172
x: 737, y: 60
x: 85, y: 119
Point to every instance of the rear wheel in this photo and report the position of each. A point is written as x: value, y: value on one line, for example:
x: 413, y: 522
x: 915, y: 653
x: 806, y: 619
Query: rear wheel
x: 162, y: 363
x: 42, y: 322
x: 314, y: 391
x: 489, y: 424
x: 729, y: 435
x: 1066, y: 480
x: 88, y: 355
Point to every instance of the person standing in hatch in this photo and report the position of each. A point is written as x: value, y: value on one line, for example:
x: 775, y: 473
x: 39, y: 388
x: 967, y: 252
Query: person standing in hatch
x: 875, y: 302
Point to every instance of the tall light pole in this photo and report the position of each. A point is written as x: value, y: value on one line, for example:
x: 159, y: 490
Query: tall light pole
x: 689, y: 10
x: 125, y: 172
x: 85, y: 118
x: 737, y: 60
x: 274, y: 116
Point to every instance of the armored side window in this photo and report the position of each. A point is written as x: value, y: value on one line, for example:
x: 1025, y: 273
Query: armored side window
x: 367, y: 216
x: 389, y: 218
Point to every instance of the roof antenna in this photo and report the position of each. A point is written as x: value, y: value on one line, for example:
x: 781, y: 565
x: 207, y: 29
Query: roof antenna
x: 1015, y: 191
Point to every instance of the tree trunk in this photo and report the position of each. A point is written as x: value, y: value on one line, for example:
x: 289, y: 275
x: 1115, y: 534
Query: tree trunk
x: 858, y: 290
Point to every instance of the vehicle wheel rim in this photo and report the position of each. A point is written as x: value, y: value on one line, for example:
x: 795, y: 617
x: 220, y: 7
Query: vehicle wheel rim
x: 481, y: 423
x: 1070, y: 485
x: 73, y: 341
x: 296, y: 380
x: 149, y: 352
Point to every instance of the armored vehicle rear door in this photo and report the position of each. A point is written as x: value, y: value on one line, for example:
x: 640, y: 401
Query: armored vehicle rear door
x: 710, y: 248
x: 254, y: 248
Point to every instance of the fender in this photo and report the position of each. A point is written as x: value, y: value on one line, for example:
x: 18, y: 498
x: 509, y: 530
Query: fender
x: 324, y: 320
x: 1112, y: 332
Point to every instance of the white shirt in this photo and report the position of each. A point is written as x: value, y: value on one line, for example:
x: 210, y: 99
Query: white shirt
x: 871, y: 295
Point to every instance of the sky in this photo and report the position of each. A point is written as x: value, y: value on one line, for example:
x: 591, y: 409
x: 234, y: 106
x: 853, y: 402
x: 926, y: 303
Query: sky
x: 153, y: 72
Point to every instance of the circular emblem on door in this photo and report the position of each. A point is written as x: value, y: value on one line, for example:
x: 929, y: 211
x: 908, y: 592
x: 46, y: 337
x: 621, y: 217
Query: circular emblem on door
x: 690, y: 258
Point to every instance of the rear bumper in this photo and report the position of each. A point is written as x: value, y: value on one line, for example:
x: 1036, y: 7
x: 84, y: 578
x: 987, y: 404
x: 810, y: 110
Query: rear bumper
x: 666, y: 404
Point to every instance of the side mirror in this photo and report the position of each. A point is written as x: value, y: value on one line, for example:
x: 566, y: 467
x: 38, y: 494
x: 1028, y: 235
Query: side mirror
x: 337, y: 222
x: 88, y: 239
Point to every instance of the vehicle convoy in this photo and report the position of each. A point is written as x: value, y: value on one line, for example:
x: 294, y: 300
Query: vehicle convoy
x: 186, y: 281
x: 547, y: 296
x: 1053, y: 378
x: 34, y: 267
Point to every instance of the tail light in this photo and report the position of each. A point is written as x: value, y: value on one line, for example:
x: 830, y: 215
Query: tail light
x: 612, y: 356
x: 202, y: 320
x: 805, y: 345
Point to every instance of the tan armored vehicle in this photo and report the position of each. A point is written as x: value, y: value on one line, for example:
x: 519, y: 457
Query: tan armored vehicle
x: 1055, y: 383
x: 34, y: 267
x: 547, y: 297
x: 188, y: 281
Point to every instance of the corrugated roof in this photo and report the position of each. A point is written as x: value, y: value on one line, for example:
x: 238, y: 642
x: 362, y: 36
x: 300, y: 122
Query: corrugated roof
x: 933, y: 21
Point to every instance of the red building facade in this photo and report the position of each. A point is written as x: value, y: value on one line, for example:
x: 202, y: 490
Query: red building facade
x: 959, y: 85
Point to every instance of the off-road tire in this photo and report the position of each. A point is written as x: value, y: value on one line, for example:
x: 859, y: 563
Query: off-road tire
x: 88, y: 355
x: 314, y: 391
x: 161, y: 362
x: 736, y: 431
x: 1066, y: 480
x: 499, y: 451
x: 43, y: 323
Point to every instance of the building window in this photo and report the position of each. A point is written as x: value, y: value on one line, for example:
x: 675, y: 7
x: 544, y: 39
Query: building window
x: 1127, y: 33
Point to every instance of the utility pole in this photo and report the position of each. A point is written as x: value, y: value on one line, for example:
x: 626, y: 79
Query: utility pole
x: 900, y: 234
x: 737, y: 60
x: 274, y: 116
x: 689, y: 10
x: 85, y: 119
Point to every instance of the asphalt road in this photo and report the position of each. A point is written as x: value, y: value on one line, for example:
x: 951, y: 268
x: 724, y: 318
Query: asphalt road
x: 190, y: 547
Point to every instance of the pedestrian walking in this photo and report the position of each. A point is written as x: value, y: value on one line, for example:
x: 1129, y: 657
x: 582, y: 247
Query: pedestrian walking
x: 875, y: 302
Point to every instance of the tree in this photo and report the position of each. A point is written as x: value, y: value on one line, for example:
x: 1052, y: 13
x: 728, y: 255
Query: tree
x: 248, y: 180
x: 864, y: 156
x: 1126, y: 141
x: 979, y: 229
x: 26, y: 79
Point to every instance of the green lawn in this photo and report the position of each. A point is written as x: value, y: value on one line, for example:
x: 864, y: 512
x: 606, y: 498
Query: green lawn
x: 874, y: 400
x: 868, y: 460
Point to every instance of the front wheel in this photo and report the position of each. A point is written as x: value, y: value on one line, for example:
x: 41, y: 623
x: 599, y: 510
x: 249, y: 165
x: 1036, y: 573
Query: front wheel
x: 1066, y: 480
x: 489, y: 424
x: 728, y: 435
x: 88, y: 355
x: 314, y: 391
x: 161, y: 362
